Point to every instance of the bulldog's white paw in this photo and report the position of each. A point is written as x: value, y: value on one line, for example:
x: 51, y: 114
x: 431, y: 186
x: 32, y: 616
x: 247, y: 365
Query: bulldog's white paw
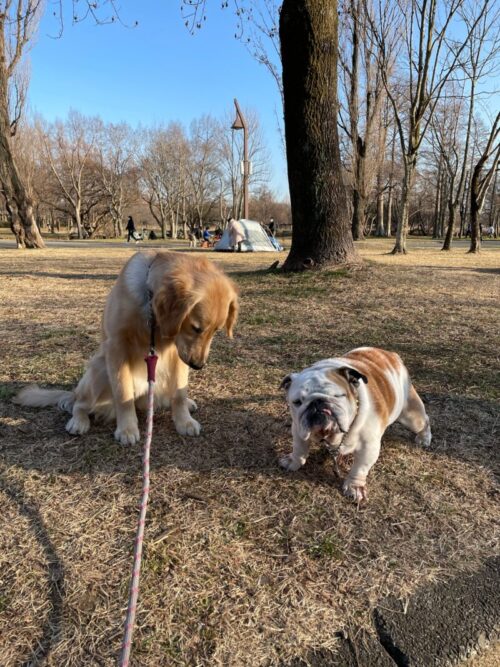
x: 192, y: 406
x: 289, y: 463
x: 128, y: 435
x: 188, y: 427
x: 355, y: 491
x: 424, y: 437
x: 78, y: 425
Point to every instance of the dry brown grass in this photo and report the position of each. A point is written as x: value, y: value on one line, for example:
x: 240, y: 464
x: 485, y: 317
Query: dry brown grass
x: 244, y: 565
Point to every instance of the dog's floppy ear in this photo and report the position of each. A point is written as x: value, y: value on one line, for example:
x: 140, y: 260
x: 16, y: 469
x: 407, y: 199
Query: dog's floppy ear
x: 232, y: 316
x: 352, y: 375
x: 172, y: 303
x: 286, y: 382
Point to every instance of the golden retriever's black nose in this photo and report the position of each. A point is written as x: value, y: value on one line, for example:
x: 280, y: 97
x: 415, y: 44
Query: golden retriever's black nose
x: 195, y: 367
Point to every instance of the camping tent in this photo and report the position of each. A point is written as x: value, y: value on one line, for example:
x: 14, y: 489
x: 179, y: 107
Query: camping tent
x: 256, y: 239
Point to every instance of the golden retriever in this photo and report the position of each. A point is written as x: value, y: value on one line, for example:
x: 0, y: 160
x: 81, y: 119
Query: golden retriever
x: 191, y: 299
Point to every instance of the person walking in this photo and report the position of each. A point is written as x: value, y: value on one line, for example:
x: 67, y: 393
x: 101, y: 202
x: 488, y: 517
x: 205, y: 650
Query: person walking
x: 130, y: 229
x: 236, y: 234
x: 272, y: 227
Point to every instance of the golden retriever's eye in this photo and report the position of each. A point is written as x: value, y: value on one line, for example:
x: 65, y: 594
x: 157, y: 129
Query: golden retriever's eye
x: 196, y: 329
x: 297, y: 402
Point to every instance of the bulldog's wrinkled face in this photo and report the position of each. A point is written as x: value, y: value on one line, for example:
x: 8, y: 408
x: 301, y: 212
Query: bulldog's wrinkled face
x: 323, y: 401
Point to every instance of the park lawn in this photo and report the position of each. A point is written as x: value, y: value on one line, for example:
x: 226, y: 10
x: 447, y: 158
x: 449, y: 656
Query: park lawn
x: 243, y: 564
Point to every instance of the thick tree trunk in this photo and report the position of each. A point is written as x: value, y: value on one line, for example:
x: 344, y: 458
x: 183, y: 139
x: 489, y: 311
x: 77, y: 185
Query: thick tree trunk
x: 475, y: 234
x: 78, y: 222
x: 493, y: 203
x: 452, y: 221
x: 403, y: 221
x: 358, y: 215
x: 359, y: 192
x: 321, y: 230
x: 19, y: 206
x: 390, y: 199
x: 380, y: 230
x: 437, y: 204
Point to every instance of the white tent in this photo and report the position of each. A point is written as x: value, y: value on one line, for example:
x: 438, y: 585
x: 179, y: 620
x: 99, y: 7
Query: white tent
x: 256, y: 239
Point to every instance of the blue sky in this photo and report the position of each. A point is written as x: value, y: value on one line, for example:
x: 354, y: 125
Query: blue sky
x: 154, y: 73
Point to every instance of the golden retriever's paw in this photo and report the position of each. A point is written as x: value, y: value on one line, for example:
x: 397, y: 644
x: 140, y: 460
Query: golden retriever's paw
x: 290, y: 464
x: 128, y: 435
x: 188, y: 427
x: 192, y: 406
x: 78, y: 425
x: 66, y: 403
x: 355, y: 491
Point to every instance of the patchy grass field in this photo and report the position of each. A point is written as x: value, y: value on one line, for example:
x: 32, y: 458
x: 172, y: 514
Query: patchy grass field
x: 243, y: 564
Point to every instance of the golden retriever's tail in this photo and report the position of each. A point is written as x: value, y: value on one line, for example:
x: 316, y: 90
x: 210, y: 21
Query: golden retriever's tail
x: 36, y: 397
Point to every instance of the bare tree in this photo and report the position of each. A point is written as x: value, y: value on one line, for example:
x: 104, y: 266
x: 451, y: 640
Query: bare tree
x: 115, y: 151
x: 482, y: 175
x: 445, y: 137
x: 70, y: 150
x: 364, y: 94
x: 230, y: 156
x: 479, y: 61
x: 18, y: 21
x: 308, y: 31
x: 164, y: 165
x: 418, y: 31
x: 204, y: 169
x: 321, y: 232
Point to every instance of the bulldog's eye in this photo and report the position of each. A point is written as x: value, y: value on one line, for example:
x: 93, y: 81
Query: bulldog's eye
x: 340, y: 395
x: 297, y: 402
x: 197, y: 330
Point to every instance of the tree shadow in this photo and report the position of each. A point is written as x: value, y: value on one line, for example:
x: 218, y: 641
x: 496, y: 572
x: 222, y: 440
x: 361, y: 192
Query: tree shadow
x: 42, y: 646
x: 242, y: 436
x: 470, y: 269
x: 64, y: 275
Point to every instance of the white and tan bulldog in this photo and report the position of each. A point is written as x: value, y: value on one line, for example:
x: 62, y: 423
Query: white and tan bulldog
x: 349, y: 402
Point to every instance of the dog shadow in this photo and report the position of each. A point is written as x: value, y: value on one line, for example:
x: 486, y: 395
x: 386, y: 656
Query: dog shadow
x: 238, y: 433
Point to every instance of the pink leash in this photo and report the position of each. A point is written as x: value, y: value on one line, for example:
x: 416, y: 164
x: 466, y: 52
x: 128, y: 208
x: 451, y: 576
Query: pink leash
x: 136, y: 572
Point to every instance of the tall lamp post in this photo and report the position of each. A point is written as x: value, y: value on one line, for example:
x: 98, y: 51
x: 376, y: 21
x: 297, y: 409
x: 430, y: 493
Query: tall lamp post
x: 240, y: 124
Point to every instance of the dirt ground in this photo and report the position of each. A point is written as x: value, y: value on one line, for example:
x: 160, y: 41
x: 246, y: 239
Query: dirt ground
x: 243, y: 564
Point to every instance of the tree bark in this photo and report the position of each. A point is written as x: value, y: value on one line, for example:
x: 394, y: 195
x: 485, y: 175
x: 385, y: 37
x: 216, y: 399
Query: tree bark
x: 19, y: 205
x: 321, y: 230
x: 452, y: 219
x: 380, y: 230
x: 475, y: 209
x: 359, y: 197
x: 437, y: 204
x: 390, y: 199
x: 403, y: 222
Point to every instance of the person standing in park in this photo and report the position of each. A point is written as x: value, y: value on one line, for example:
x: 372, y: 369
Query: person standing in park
x: 236, y: 234
x: 130, y: 229
x: 272, y: 227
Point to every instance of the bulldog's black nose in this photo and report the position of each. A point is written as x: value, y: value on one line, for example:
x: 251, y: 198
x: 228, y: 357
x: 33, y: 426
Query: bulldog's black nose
x: 318, y: 405
x: 195, y: 367
x: 318, y: 414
